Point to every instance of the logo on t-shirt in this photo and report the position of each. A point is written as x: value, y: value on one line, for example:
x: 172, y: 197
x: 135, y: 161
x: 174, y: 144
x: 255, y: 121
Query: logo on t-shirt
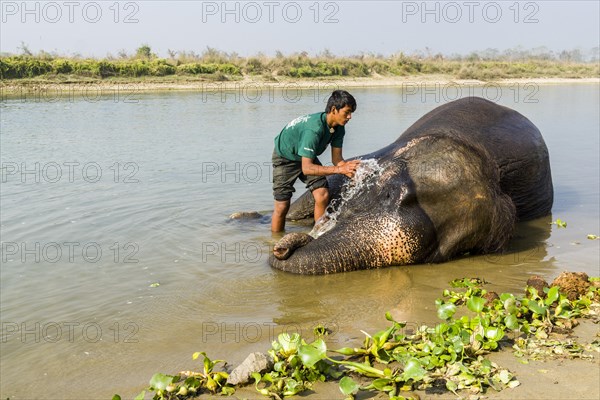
x: 303, y: 118
x: 311, y: 150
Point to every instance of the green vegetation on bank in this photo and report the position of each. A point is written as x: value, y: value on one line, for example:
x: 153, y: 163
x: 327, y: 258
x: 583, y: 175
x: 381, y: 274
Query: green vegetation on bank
x: 217, y: 65
x: 447, y: 357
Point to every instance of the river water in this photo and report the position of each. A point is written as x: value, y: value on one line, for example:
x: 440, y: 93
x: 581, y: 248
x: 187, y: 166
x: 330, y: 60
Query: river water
x: 118, y: 260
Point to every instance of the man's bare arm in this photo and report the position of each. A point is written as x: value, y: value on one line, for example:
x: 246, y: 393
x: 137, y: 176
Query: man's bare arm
x: 336, y: 155
x: 310, y: 168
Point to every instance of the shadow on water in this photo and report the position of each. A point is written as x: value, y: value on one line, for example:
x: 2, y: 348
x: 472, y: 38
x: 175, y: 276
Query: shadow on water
x: 529, y: 241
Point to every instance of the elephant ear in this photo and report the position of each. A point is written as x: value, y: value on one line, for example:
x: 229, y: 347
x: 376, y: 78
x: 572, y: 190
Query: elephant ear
x: 457, y: 185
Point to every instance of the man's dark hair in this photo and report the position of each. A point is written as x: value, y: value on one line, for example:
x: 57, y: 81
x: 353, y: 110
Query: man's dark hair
x: 340, y: 99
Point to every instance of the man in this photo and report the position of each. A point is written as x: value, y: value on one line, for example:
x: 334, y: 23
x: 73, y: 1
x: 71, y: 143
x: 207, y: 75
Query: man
x: 296, y: 151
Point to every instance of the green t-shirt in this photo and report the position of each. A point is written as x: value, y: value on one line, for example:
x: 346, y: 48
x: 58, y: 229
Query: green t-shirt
x: 307, y: 136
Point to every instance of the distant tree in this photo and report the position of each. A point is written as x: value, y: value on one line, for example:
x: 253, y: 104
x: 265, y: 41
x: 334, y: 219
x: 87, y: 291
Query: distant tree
x: 144, y: 51
x: 25, y: 50
x: 571, y: 55
x: 212, y: 55
x: 171, y: 53
x: 474, y: 56
x: 418, y: 54
x: 490, y: 54
x: 44, y: 55
x: 122, y: 54
x: 541, y: 53
x: 327, y: 54
x: 517, y: 53
x: 595, y: 54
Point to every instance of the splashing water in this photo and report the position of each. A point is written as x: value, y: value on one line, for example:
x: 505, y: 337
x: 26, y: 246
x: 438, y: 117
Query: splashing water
x: 362, y: 180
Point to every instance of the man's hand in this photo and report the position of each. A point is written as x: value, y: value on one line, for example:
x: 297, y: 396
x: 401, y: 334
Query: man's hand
x: 348, y: 168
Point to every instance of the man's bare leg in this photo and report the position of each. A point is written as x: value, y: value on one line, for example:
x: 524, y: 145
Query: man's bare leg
x: 279, y: 213
x: 321, y: 196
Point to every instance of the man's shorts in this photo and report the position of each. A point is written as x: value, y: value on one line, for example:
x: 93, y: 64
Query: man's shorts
x: 285, y: 173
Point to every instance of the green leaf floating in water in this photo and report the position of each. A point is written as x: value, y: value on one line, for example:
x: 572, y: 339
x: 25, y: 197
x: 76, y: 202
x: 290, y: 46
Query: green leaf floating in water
x: 413, y: 370
x: 446, y: 311
x: 312, y: 353
x: 560, y: 223
x: 348, y: 386
x: 511, y: 322
x: 161, y: 381
x: 155, y: 284
x: 552, y: 295
x: 475, y: 304
x: 536, y: 308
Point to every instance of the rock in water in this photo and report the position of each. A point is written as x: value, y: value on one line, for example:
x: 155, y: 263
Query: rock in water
x: 539, y: 284
x: 246, y: 215
x: 255, y: 362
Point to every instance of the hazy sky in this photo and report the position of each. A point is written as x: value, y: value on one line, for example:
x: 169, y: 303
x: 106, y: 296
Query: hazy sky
x: 95, y: 28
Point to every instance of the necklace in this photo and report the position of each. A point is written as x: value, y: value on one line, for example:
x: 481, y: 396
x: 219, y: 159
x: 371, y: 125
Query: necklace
x: 331, y: 130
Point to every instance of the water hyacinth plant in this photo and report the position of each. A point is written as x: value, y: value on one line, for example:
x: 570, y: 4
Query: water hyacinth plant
x: 450, y: 355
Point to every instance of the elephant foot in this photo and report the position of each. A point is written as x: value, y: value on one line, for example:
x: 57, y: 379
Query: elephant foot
x: 285, y: 247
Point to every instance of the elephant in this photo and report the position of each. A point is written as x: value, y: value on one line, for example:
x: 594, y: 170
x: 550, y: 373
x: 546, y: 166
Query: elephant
x: 455, y: 182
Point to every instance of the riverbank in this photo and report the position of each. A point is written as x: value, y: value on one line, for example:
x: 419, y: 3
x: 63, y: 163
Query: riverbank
x: 556, y: 358
x: 57, y: 87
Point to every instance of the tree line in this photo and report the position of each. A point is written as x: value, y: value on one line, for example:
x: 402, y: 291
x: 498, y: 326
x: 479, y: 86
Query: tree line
x: 219, y: 65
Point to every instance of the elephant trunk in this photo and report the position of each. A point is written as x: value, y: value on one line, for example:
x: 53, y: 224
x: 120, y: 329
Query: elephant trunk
x: 362, y: 244
x: 316, y: 257
x: 284, y: 248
